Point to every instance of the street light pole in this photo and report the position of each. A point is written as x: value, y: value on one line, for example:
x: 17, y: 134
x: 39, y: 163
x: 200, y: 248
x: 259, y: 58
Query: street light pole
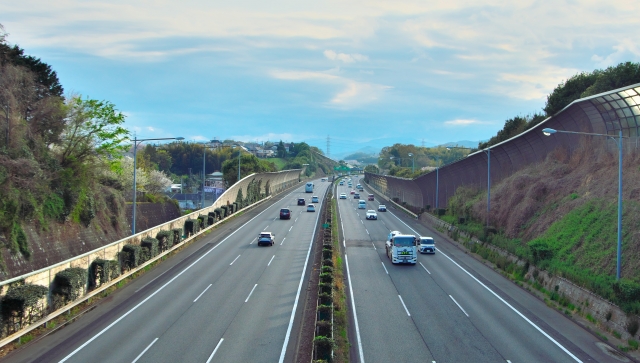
x: 549, y: 132
x: 135, y: 167
x: 413, y: 164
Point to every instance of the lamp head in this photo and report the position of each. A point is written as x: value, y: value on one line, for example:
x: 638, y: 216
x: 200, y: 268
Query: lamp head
x: 548, y: 132
x: 179, y: 138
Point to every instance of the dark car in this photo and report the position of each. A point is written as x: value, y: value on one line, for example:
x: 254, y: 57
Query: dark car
x: 285, y: 213
x: 301, y: 201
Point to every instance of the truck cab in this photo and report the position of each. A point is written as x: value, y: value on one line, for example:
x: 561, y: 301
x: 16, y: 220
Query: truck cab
x: 401, y: 248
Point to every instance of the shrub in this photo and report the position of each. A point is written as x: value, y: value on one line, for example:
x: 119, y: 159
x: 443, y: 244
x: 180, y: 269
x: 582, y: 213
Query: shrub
x: 324, y: 346
x: 632, y: 327
x: 70, y: 283
x: 23, y: 304
x: 326, y: 277
x: 131, y: 257
x: 633, y: 344
x: 324, y: 312
x: 191, y: 227
x: 151, y: 246
x: 165, y: 240
x: 327, y: 262
x: 324, y: 288
x: 325, y: 299
x: 202, y: 221
x: 327, y: 269
x: 102, y: 271
x: 323, y: 328
x: 177, y: 235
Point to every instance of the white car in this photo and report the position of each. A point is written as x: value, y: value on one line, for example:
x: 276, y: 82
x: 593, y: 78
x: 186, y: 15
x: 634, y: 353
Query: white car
x: 311, y: 208
x: 314, y: 199
x: 343, y: 195
x: 382, y: 208
x: 371, y: 214
x: 427, y: 245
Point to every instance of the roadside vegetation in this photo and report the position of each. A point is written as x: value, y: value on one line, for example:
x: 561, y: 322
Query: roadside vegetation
x: 561, y: 216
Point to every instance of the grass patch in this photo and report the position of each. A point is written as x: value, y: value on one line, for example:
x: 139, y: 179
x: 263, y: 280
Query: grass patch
x: 616, y: 334
x: 340, y: 318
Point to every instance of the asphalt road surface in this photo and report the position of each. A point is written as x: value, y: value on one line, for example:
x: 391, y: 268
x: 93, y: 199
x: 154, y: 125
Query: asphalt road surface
x: 223, y: 299
x: 447, y: 308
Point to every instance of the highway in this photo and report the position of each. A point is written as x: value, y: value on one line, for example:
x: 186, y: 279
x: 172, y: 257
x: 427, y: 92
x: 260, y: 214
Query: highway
x: 223, y: 299
x: 447, y: 308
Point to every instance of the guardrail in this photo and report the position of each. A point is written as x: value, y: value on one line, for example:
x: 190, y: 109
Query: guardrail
x: 266, y: 184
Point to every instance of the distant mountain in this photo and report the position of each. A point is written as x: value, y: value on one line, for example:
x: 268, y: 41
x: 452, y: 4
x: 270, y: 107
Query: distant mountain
x: 463, y: 143
x: 373, y: 147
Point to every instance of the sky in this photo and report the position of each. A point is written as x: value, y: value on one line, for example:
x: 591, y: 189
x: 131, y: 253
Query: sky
x: 363, y: 73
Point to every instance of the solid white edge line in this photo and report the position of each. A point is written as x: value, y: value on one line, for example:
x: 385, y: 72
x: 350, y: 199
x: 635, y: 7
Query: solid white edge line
x: 355, y: 315
x: 254, y: 287
x: 295, y: 304
x: 503, y: 301
x: 405, y: 306
x: 424, y: 268
x: 144, y: 351
x: 374, y: 246
x: 205, y: 290
x: 160, y: 288
x: 385, y: 268
x: 215, y: 350
x: 269, y: 264
x: 454, y: 300
x: 234, y: 260
x: 282, y: 241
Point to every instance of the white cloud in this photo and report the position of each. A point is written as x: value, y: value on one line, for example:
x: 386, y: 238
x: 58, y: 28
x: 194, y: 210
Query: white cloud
x: 268, y: 137
x: 346, y: 58
x: 352, y: 94
x: 463, y: 122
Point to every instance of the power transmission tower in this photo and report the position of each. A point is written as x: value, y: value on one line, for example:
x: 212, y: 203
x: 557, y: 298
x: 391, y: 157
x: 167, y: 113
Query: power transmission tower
x: 328, y: 146
x: 422, y: 142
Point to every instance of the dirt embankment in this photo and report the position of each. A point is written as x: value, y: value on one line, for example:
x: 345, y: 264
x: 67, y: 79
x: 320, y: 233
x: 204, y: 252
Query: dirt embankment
x: 59, y: 241
x: 527, y: 203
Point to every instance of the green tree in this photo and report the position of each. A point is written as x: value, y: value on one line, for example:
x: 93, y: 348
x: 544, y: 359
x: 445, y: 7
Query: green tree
x: 93, y: 129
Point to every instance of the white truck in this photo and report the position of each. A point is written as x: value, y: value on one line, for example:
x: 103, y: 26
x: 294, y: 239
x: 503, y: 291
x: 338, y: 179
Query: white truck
x: 401, y: 248
x: 308, y: 188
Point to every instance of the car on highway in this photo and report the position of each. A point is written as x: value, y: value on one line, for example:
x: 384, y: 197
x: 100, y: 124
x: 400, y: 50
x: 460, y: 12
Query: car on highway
x: 314, y: 199
x: 370, y: 197
x: 356, y: 196
x: 371, y: 214
x: 323, y: 179
x: 341, y: 182
x: 362, y: 204
x: 285, y: 213
x: 266, y: 238
x: 311, y: 208
x: 427, y: 245
x: 382, y: 208
x: 343, y: 195
x: 301, y: 201
x: 353, y: 192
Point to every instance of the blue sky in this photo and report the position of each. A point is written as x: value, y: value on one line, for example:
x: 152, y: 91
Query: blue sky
x: 364, y: 73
